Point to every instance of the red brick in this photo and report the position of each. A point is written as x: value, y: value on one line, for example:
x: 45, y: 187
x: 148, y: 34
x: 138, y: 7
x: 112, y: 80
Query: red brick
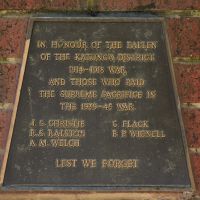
x: 8, y: 82
x: 191, y: 119
x: 195, y: 160
x: 147, y: 4
x: 12, y: 37
x: 101, y: 5
x: 125, y: 5
x: 42, y: 5
x: 184, y: 36
x: 188, y: 82
x: 177, y: 4
x: 4, y: 127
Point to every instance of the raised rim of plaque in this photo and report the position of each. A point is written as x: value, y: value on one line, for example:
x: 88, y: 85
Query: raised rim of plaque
x: 122, y: 188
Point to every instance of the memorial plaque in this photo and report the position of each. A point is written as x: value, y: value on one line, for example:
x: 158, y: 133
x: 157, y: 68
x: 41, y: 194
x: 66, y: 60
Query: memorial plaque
x: 96, y: 109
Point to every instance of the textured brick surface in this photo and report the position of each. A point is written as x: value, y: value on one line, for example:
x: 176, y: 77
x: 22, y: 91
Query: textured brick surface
x: 42, y: 4
x: 191, y: 118
x: 12, y: 37
x: 195, y: 159
x: 188, y: 82
x: 184, y: 36
x: 102, y: 5
x: 8, y: 82
x: 4, y: 128
x: 147, y: 4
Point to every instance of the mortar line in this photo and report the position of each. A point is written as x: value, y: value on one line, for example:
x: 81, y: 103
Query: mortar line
x: 10, y: 60
x: 6, y: 106
x: 162, y: 12
x: 186, y: 60
x: 195, y: 150
x: 190, y: 105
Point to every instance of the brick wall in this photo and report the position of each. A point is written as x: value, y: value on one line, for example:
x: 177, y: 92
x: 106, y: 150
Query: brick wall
x: 183, y: 27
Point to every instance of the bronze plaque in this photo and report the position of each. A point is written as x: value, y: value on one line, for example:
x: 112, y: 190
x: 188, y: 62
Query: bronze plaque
x: 97, y: 109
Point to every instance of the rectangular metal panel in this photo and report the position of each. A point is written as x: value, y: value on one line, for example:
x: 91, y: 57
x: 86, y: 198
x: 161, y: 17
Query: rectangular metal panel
x: 97, y: 109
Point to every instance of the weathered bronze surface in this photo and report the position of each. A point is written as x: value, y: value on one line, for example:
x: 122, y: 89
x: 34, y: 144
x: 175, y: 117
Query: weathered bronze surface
x: 94, y: 114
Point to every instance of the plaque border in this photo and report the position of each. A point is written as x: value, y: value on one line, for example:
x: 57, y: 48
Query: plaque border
x: 118, y: 19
